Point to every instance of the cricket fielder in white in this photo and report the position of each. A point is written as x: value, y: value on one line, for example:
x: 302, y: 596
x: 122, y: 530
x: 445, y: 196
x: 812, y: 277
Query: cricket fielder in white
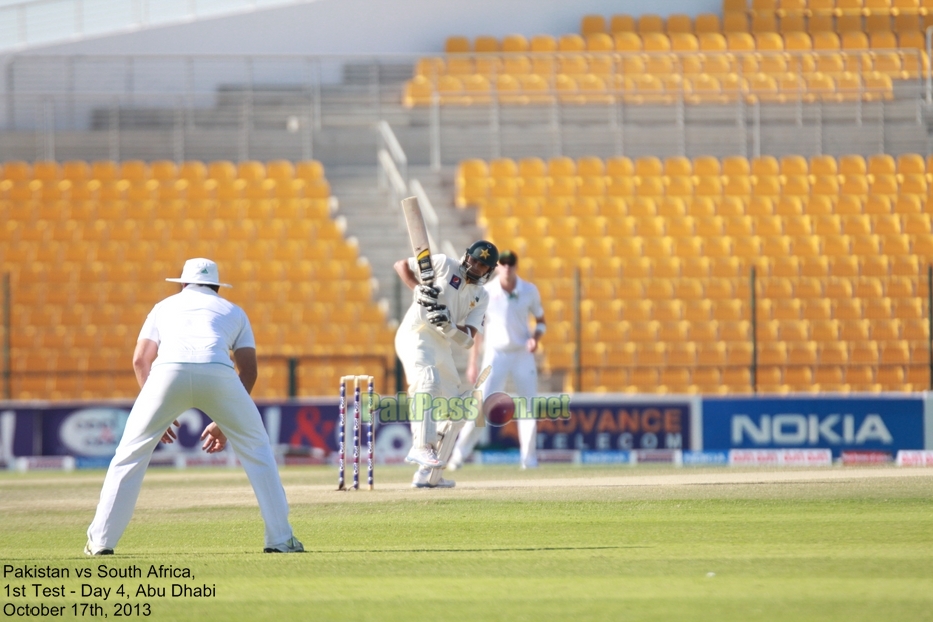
x: 449, y: 312
x: 182, y: 361
x: 509, y: 349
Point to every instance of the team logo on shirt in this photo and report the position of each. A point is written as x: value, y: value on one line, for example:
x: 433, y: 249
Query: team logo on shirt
x: 455, y: 281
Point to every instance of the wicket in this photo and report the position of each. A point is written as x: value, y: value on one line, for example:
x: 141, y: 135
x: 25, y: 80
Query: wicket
x: 357, y: 425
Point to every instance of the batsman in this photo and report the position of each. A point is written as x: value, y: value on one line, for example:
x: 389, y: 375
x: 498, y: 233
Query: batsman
x: 448, y: 307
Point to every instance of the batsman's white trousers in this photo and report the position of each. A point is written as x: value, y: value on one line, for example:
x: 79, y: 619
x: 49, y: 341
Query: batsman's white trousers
x: 170, y: 390
x: 519, y: 365
x: 430, y: 368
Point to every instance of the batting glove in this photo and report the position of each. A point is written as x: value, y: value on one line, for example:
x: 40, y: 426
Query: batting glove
x: 426, y: 296
x: 439, y: 317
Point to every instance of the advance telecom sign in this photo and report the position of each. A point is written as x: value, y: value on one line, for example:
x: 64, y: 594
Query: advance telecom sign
x: 836, y: 423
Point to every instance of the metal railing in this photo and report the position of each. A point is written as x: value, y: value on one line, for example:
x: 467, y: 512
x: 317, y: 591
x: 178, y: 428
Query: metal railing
x: 252, y: 107
x: 123, y: 379
x: 389, y: 177
x: 753, y: 330
x: 390, y: 143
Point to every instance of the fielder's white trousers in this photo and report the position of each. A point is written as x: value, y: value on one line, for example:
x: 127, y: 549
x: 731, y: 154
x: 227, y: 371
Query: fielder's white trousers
x: 170, y: 390
x: 430, y: 368
x: 519, y: 365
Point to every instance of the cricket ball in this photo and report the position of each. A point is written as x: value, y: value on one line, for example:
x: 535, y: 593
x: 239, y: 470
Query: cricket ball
x: 498, y: 409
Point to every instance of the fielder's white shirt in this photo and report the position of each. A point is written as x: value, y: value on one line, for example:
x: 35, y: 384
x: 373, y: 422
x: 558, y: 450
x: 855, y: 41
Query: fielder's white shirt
x: 467, y: 303
x: 508, y: 314
x: 197, y: 326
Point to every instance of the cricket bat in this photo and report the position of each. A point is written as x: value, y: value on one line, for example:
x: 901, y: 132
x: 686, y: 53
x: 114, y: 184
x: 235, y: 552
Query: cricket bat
x: 418, y: 234
x: 480, y: 418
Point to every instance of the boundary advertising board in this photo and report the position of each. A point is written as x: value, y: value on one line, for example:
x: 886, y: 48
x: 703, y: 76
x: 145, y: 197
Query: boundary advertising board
x: 838, y: 423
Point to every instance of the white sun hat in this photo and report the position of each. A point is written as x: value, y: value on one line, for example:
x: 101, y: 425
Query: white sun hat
x: 200, y: 271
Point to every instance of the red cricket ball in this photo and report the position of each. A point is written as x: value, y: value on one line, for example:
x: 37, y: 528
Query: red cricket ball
x: 498, y: 409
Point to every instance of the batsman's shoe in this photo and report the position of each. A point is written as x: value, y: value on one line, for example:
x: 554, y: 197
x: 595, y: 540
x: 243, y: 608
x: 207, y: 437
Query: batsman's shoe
x: 292, y: 545
x: 425, y: 456
x: 441, y: 483
x: 456, y: 460
x: 422, y: 479
x: 92, y: 549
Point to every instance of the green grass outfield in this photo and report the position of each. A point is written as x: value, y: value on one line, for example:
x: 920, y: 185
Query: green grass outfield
x: 558, y: 543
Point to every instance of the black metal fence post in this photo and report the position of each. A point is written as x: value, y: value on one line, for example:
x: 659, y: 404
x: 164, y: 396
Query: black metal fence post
x: 754, y: 325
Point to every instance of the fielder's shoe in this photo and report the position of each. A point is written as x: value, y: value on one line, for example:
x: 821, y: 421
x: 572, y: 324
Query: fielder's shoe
x: 425, y: 456
x: 92, y: 549
x: 292, y: 545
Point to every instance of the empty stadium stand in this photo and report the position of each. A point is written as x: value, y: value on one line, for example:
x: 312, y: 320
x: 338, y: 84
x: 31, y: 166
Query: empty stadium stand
x: 88, y: 246
x: 665, y: 249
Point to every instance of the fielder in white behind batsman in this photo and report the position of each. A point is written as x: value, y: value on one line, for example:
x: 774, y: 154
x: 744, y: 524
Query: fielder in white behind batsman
x: 509, y: 348
x: 443, y: 315
x: 182, y: 361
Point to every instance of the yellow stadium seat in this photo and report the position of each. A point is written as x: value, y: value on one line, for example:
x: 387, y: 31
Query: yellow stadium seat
x: 848, y: 309
x: 679, y: 23
x: 457, y: 45
x: 764, y: 23
x: 684, y: 42
x: 895, y: 245
x: 908, y: 36
x: 713, y: 42
x: 477, y: 89
x: 914, y: 224
x: 798, y: 379
x: 599, y: 42
x: 544, y: 65
x: 514, y: 43
x: 649, y: 23
x: 794, y: 37
x: 735, y: 22
x: 796, y: 225
x: 429, y: 68
x: 793, y: 24
x: 739, y: 357
x: 542, y: 44
x: 571, y: 43
x: 907, y: 309
x: 707, y: 23
x: 915, y: 330
x: 591, y: 24
x: 767, y: 166
x: 627, y: 41
x: 15, y: 170
x: 701, y: 207
x: 535, y: 89
x: 655, y: 42
x: 877, y: 86
x: 711, y: 354
x: 736, y: 166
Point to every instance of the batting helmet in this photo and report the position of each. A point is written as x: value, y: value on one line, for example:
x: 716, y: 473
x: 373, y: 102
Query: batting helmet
x: 482, y: 253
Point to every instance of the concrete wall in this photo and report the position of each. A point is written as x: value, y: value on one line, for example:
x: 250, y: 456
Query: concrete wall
x: 374, y: 27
